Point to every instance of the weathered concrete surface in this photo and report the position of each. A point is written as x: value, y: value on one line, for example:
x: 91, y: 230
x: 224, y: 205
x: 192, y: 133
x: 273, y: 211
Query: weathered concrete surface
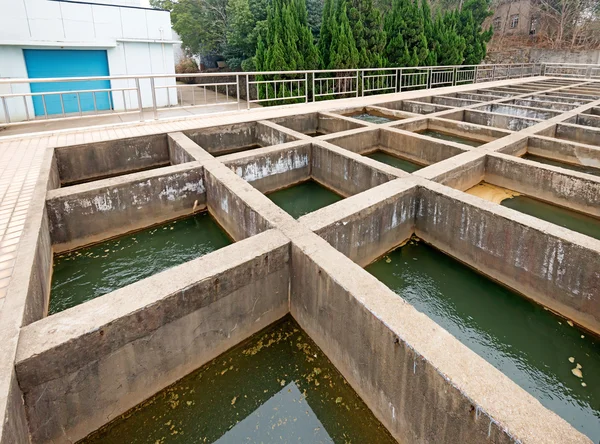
x: 581, y: 134
x: 25, y: 297
x: 96, y: 211
x: 411, y: 106
x: 365, y: 226
x: 465, y: 129
x: 519, y: 111
x: 419, y: 380
x: 549, y: 264
x: 503, y: 121
x: 453, y: 101
x: 544, y: 104
x: 269, y: 169
x: 313, y: 123
x: 575, y: 190
x: 105, y: 159
x: 587, y: 120
x: 345, y: 175
x: 564, y: 151
x: 461, y: 172
x: 103, y: 360
x: 422, y: 149
x: 227, y: 139
x: 177, y: 152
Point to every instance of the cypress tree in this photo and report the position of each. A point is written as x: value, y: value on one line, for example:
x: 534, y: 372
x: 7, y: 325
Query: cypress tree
x: 326, y: 34
x: 367, y: 28
x: 343, y: 53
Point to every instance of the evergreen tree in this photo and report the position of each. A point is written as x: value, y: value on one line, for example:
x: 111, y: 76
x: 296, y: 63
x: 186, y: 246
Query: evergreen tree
x: 315, y: 14
x: 328, y: 26
x: 404, y: 28
x: 470, y: 27
x: 450, y: 46
x: 367, y: 28
x: 343, y: 53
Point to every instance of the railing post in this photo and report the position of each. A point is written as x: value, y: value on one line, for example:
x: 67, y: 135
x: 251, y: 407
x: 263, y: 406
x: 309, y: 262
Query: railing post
x: 237, y: 89
x: 313, y: 87
x: 454, y: 76
x: 362, y: 84
x: 306, y: 87
x: 139, y: 96
x: 429, y: 74
x: 357, y: 75
x: 475, y: 73
x: 154, y: 104
x: 248, y: 90
x: 400, y: 77
x: 494, y: 73
x: 5, y: 107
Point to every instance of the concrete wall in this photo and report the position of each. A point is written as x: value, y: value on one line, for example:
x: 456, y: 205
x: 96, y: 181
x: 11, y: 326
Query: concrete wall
x: 269, y: 169
x: 575, y: 190
x: 423, y: 150
x: 512, y: 123
x: 564, y: 151
x: 587, y: 120
x: 99, y: 210
x: 232, y: 138
x: 136, y: 341
x: 104, y: 159
x: 316, y: 122
x: 552, y: 265
x: 364, y: 230
x: 590, y: 136
x: 137, y: 41
x: 343, y: 174
x: 519, y: 111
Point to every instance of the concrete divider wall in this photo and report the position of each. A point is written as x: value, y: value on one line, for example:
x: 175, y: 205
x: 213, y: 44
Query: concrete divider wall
x: 115, y: 351
x: 103, y: 159
x: 461, y: 172
x: 270, y: 169
x: 358, y: 142
x: 346, y: 176
x: 268, y: 135
x: 588, y: 120
x: 368, y: 225
x: 233, y: 213
x: 498, y: 120
x: 221, y: 139
x: 421, y: 150
x: 564, y: 151
x: 468, y: 130
x: 328, y: 124
x: 177, y: 153
x: 394, y: 361
x: 554, y: 266
x: 588, y: 135
x: 578, y: 191
x: 99, y: 210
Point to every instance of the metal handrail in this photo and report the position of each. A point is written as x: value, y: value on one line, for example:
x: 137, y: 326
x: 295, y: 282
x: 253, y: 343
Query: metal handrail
x: 307, y: 85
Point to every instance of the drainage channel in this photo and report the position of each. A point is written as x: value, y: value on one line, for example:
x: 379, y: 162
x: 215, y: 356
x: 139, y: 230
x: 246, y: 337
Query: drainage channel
x: 548, y: 356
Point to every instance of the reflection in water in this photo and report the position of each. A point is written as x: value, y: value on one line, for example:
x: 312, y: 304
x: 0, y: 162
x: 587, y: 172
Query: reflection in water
x: 303, y: 198
x: 533, y: 347
x: 397, y: 162
x: 87, y: 273
x: 276, y: 387
x: 450, y: 137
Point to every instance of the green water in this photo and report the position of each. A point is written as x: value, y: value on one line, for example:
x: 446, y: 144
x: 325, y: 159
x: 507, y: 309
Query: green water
x: 371, y: 118
x: 87, y: 273
x: 450, y: 137
x: 557, y: 215
x: 527, y: 343
x: 278, y: 387
x: 394, y: 161
x: 569, y: 166
x: 304, y: 198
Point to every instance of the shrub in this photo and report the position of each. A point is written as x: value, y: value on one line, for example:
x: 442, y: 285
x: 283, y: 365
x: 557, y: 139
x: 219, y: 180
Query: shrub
x: 186, y: 66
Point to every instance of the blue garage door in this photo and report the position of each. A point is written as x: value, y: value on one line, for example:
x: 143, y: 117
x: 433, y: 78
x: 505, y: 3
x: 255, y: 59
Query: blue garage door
x: 45, y: 63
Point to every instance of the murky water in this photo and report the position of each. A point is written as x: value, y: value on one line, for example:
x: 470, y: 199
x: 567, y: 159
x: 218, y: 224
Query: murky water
x: 371, y: 118
x: 277, y: 387
x: 569, y: 166
x: 304, y: 198
x: 316, y: 134
x: 450, y: 137
x: 557, y: 215
x: 403, y: 164
x: 87, y: 273
x: 536, y: 349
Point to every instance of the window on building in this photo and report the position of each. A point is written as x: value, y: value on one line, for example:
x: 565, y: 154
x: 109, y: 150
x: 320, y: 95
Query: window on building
x: 496, y: 24
x: 514, y: 21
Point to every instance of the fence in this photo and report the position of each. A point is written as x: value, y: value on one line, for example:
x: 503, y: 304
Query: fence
x: 149, y: 95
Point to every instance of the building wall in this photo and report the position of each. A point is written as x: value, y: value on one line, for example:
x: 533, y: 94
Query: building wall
x: 504, y: 12
x: 137, y: 41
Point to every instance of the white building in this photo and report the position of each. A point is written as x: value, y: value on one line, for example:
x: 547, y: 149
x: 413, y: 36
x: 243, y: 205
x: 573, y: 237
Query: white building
x: 72, y: 38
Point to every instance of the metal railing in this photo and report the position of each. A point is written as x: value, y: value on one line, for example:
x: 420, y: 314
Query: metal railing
x: 29, y: 100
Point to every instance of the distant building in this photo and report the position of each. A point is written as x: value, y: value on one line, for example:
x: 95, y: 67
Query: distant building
x: 72, y: 38
x: 515, y: 18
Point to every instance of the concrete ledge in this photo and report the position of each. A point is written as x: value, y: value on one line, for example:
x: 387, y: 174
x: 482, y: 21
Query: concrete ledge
x: 547, y: 263
x: 104, y: 159
x: 100, y: 210
x: 104, y: 357
x: 365, y: 226
x: 419, y: 380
